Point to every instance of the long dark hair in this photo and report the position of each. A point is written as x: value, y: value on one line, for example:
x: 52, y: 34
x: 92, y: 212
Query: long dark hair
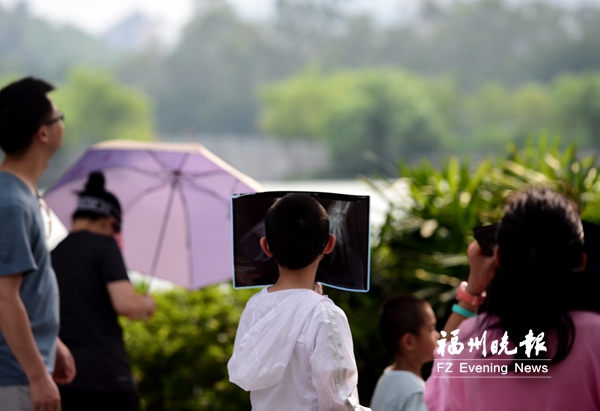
x: 540, y: 240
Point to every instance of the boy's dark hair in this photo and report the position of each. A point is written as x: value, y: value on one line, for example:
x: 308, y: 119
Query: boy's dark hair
x: 297, y: 229
x: 94, y: 188
x: 24, y: 107
x: 400, y: 315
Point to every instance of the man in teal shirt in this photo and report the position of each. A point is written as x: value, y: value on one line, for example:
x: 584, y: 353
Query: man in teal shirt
x: 32, y: 358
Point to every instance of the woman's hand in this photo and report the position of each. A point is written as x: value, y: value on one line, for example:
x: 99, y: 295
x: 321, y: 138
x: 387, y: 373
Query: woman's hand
x: 482, y: 268
x: 64, y: 368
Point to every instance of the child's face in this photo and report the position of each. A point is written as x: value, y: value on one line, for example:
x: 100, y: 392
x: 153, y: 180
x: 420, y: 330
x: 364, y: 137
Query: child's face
x: 428, y: 336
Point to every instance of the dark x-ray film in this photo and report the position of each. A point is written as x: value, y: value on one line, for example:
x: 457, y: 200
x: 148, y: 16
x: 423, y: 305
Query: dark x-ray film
x: 346, y: 268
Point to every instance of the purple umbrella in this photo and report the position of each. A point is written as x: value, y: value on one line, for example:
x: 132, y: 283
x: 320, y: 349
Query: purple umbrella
x: 176, y: 206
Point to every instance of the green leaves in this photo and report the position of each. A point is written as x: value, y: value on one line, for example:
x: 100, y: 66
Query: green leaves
x: 361, y: 115
x: 370, y: 117
x: 33, y: 46
x: 98, y: 108
x: 179, y: 356
x: 451, y: 200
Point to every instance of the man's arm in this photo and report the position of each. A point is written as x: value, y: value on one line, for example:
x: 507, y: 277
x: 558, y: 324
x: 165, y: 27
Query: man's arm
x: 16, y: 330
x: 334, y: 372
x: 127, y: 302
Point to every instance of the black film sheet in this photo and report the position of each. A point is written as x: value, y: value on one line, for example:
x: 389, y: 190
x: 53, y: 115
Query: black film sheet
x: 346, y: 268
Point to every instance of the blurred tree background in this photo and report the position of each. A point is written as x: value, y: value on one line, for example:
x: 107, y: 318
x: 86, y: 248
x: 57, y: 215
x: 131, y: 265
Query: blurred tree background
x: 31, y: 46
x: 414, y: 98
x: 364, y: 115
x: 456, y: 78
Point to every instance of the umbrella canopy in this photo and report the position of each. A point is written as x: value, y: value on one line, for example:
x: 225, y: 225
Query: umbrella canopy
x: 176, y: 206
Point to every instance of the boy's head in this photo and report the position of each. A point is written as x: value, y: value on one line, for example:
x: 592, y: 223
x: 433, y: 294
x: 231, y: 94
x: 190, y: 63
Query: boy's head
x: 24, y: 108
x: 297, y: 230
x: 407, y: 327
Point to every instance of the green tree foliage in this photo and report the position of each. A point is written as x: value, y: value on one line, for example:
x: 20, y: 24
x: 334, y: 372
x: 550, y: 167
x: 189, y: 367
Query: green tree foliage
x: 382, y: 113
x: 578, y: 52
x: 493, y: 116
x: 211, y: 80
x: 33, y: 46
x: 98, y: 108
x: 579, y: 105
x: 478, y: 41
x: 370, y: 117
x: 296, y: 107
x: 179, y: 356
x: 421, y: 247
x: 208, y: 83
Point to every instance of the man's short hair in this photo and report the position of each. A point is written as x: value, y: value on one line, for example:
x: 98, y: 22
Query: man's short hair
x: 24, y: 107
x: 297, y: 230
x: 400, y: 315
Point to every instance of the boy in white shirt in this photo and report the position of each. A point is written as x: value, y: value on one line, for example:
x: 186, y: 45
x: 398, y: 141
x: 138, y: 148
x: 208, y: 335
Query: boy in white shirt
x: 293, y: 348
x: 407, y: 327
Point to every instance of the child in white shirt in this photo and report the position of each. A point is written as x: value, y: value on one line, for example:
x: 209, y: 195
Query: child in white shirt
x: 293, y: 348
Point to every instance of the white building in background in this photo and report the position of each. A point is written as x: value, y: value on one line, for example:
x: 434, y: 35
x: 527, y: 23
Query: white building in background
x: 264, y: 158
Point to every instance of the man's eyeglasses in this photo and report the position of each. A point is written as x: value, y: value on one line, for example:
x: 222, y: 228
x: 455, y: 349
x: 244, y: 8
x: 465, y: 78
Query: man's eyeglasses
x: 60, y: 117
